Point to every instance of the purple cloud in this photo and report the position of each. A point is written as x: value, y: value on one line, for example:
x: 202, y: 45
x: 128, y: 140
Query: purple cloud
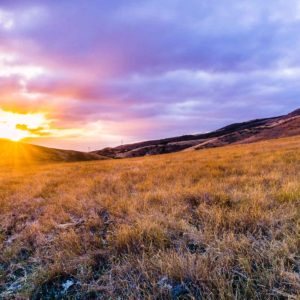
x: 149, y: 69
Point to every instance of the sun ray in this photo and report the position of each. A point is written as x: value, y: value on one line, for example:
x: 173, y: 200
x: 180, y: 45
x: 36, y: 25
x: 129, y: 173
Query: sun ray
x: 16, y: 126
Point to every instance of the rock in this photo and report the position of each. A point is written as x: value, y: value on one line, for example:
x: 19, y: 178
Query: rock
x: 165, y: 283
x: 61, y: 287
x: 179, y: 290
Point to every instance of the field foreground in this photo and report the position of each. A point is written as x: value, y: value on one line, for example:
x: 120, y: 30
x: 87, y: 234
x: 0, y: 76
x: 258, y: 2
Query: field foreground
x: 212, y: 224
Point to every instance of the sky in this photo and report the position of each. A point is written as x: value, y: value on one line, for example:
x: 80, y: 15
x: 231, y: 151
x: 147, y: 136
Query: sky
x: 84, y: 75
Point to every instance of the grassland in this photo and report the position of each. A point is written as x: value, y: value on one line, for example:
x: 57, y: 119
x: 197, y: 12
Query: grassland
x: 15, y: 154
x: 212, y: 224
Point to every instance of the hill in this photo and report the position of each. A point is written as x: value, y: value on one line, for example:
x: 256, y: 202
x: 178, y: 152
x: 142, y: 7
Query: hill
x: 246, y: 132
x: 22, y: 153
x: 220, y: 223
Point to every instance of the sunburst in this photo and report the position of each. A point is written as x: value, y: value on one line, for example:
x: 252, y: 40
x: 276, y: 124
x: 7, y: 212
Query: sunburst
x: 16, y: 126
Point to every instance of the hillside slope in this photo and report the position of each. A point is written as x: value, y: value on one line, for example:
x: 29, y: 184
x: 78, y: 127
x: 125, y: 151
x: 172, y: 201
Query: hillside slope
x: 245, y: 132
x: 20, y: 153
x: 279, y: 127
x: 220, y: 223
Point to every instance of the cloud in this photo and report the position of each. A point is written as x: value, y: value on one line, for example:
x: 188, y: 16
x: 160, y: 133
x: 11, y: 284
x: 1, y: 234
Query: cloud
x: 149, y: 69
x: 38, y: 131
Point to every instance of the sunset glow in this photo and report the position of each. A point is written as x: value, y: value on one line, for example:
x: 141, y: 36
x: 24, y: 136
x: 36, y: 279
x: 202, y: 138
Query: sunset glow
x: 150, y: 149
x: 103, y: 72
x: 16, y: 126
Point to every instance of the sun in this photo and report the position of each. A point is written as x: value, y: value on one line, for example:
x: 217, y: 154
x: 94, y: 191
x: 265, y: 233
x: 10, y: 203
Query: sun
x: 14, y: 135
x: 16, y: 126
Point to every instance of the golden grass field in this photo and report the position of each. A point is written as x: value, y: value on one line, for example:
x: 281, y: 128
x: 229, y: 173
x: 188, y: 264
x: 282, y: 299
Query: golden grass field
x: 221, y: 223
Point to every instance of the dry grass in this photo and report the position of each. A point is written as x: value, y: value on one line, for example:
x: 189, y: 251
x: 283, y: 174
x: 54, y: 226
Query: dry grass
x: 214, y: 224
x: 17, y: 154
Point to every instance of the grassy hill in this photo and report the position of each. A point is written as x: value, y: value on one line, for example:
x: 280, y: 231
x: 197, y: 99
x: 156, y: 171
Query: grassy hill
x: 18, y: 153
x: 238, y: 133
x: 220, y: 223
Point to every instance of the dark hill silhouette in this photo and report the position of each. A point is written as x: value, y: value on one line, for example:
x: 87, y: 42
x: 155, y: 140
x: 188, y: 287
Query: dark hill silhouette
x: 245, y: 132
